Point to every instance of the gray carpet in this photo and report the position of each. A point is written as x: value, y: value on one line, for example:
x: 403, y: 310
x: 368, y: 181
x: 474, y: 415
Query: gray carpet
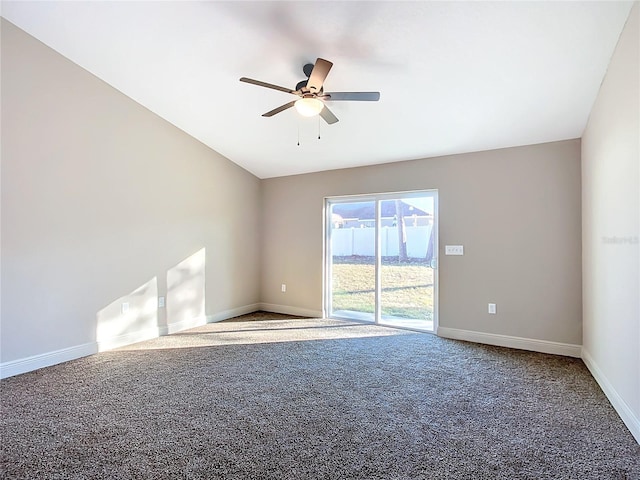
x: 312, y: 399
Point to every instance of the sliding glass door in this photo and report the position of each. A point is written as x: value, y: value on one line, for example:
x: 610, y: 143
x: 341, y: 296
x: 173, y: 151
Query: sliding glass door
x: 380, y: 259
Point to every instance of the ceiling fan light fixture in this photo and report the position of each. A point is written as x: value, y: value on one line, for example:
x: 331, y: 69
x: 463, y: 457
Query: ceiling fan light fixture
x: 308, y: 107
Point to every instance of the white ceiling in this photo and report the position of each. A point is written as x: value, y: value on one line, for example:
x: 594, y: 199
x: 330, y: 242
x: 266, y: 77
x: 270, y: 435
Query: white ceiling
x: 453, y: 76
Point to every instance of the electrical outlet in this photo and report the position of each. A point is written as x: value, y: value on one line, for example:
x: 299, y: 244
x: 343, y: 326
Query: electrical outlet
x: 492, y: 308
x: 284, y: 287
x: 160, y: 302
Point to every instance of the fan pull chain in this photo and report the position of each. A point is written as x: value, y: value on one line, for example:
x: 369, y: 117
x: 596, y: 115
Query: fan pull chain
x: 318, y: 127
x: 298, y: 132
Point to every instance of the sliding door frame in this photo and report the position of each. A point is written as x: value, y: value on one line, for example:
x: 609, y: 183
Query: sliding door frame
x: 377, y: 198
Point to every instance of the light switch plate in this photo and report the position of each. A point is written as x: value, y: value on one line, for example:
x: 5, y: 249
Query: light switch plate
x: 454, y: 250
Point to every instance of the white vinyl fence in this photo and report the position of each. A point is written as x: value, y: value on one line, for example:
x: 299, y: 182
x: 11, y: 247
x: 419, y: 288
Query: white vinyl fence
x: 361, y: 241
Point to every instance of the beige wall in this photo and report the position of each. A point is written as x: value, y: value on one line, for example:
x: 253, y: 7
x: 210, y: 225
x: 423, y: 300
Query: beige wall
x: 101, y: 199
x: 611, y: 227
x: 516, y: 211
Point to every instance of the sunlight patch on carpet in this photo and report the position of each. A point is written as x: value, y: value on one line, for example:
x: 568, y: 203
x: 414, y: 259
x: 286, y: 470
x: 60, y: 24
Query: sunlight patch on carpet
x: 271, y: 331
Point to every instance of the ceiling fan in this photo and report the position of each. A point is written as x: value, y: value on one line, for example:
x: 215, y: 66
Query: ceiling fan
x: 312, y: 95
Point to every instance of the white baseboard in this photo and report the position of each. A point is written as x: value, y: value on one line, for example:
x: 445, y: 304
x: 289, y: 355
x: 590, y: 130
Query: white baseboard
x: 234, y: 312
x: 183, y: 325
x: 28, y: 364
x: 128, y: 339
x: 621, y: 407
x: 216, y: 317
x: 303, y: 312
x: 542, y: 346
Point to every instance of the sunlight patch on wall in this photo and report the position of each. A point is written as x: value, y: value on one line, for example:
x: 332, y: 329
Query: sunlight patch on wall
x: 186, y: 291
x: 130, y: 318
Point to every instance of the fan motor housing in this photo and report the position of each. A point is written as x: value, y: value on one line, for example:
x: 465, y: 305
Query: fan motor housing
x: 303, y: 84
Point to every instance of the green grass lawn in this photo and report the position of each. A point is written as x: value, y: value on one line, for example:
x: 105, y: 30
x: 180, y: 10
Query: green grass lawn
x: 407, y: 288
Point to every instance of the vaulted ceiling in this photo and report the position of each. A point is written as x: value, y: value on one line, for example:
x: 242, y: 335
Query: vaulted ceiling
x: 453, y: 76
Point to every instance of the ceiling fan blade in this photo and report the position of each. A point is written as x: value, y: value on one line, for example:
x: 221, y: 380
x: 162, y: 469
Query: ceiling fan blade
x: 279, y: 109
x: 265, y: 84
x: 351, y: 96
x: 318, y: 75
x: 328, y: 116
